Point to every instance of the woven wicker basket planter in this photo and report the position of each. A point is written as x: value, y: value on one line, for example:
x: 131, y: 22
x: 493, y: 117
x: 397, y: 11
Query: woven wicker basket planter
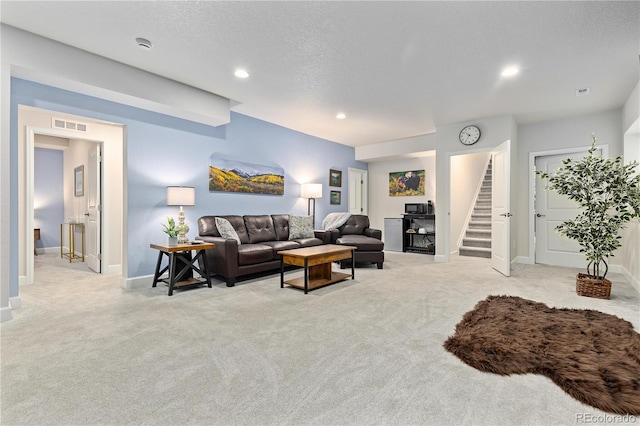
x: 592, y: 287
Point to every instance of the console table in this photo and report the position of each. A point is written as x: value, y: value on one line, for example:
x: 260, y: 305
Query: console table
x: 36, y: 237
x: 182, y: 264
x: 71, y: 254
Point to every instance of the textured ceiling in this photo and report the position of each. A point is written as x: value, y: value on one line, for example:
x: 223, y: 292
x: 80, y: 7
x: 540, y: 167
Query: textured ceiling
x: 397, y: 69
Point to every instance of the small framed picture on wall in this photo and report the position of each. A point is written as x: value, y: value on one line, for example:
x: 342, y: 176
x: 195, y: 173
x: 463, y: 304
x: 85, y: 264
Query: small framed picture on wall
x: 78, y: 181
x: 334, y: 197
x: 335, y: 178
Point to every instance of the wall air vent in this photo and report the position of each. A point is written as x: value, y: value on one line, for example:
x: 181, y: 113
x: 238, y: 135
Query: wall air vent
x: 59, y: 123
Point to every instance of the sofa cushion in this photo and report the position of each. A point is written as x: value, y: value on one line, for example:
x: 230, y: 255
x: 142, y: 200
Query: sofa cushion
x: 362, y: 242
x: 355, y: 225
x: 300, y: 227
x: 281, y: 225
x: 309, y: 242
x: 282, y: 245
x: 260, y: 228
x: 249, y: 254
x: 226, y: 230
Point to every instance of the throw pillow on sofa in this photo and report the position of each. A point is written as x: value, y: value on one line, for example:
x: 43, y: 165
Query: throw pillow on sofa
x: 226, y: 229
x: 300, y: 227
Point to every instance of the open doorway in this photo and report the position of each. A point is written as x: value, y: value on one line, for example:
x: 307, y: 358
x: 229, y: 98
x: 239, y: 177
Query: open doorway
x: 105, y: 196
x: 67, y: 198
x: 462, y: 195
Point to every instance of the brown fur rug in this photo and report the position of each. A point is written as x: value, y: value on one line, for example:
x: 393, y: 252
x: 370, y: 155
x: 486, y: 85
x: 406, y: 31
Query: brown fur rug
x: 593, y: 356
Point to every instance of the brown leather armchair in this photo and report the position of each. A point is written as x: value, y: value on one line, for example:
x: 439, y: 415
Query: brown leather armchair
x: 356, y: 232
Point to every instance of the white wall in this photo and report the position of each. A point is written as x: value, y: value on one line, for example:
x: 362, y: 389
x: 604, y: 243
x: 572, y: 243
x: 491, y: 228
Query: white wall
x: 556, y: 135
x: 494, y: 132
x: 381, y: 205
x: 630, y: 256
x: 467, y: 174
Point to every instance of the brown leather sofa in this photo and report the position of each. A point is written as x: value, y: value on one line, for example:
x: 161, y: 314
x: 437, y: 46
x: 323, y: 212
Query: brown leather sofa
x: 356, y: 232
x: 261, y: 237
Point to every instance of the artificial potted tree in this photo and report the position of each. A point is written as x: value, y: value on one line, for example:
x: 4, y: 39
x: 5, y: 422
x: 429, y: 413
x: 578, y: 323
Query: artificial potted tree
x: 608, y: 192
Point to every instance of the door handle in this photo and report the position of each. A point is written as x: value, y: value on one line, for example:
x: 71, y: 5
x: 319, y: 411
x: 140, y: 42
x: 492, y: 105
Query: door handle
x: 86, y: 214
x: 540, y: 215
x: 506, y: 214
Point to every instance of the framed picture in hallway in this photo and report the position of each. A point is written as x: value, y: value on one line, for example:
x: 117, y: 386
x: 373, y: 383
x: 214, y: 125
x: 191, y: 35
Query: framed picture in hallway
x: 406, y: 183
x: 334, y: 197
x: 78, y: 181
x: 335, y: 178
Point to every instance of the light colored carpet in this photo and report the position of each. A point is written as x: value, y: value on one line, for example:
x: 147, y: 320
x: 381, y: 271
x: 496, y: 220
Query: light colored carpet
x: 81, y: 350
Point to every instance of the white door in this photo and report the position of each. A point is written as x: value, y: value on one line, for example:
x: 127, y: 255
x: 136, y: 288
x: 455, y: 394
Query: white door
x: 357, y: 191
x: 551, y: 210
x: 500, y: 209
x: 92, y: 223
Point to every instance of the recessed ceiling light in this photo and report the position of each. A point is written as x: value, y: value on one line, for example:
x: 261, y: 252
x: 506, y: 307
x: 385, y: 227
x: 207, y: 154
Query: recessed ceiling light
x: 341, y: 116
x: 143, y: 43
x: 510, y: 71
x: 240, y: 73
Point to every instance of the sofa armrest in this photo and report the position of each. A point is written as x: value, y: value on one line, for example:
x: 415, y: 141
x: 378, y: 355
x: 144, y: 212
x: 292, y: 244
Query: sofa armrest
x: 335, y: 234
x: 223, y: 259
x: 373, y: 233
x: 325, y: 236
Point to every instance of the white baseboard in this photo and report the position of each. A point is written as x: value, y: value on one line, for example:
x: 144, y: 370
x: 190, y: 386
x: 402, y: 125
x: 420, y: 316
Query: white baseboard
x: 5, y: 313
x: 634, y: 281
x: 15, y: 302
x: 114, y: 270
x: 137, y: 283
x: 527, y: 260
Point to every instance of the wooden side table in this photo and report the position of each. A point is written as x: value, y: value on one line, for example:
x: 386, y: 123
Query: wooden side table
x: 181, y: 264
x: 71, y: 254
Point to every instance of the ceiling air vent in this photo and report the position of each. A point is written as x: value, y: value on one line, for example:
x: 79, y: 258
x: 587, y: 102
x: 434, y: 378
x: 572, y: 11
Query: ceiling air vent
x: 59, y: 123
x: 583, y: 92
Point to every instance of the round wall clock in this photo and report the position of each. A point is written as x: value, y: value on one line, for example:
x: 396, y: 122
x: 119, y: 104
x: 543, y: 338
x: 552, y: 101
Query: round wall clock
x: 469, y: 135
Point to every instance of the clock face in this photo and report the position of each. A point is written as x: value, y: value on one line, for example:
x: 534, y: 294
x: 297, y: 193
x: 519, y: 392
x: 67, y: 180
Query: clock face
x: 469, y: 135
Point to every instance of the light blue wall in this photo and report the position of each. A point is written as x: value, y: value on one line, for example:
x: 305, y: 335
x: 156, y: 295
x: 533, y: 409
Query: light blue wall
x: 163, y: 150
x: 48, y: 195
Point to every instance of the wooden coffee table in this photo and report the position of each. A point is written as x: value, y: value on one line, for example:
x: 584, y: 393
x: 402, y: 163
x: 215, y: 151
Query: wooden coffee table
x: 316, y: 262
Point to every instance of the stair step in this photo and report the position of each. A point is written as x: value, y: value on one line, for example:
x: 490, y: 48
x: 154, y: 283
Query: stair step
x: 483, y: 203
x: 476, y: 242
x: 475, y: 252
x: 478, y: 233
x: 480, y: 225
x: 481, y: 217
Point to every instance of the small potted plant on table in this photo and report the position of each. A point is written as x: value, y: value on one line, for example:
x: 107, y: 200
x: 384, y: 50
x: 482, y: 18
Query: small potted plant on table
x: 172, y: 230
x: 608, y: 192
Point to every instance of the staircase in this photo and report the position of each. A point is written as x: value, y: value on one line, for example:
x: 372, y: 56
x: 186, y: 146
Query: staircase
x: 477, y: 240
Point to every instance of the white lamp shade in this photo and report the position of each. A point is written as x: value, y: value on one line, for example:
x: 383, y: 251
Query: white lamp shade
x: 311, y: 190
x: 181, y: 196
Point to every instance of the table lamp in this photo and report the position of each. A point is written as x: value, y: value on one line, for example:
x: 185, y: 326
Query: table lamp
x: 181, y: 196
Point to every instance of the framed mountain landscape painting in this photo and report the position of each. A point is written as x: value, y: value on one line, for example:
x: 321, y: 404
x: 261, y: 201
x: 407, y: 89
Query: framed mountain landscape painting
x: 237, y: 176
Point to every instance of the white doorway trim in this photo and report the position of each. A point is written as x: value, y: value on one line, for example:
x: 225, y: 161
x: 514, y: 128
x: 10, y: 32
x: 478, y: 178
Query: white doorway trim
x: 446, y: 230
x: 364, y: 175
x: 31, y: 133
x: 531, y: 259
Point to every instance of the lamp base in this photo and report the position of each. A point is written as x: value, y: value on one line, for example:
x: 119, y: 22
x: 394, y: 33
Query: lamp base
x: 182, y: 235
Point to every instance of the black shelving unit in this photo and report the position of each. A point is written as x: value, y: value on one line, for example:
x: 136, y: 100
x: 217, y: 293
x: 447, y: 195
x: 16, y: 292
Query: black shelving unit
x: 419, y: 233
